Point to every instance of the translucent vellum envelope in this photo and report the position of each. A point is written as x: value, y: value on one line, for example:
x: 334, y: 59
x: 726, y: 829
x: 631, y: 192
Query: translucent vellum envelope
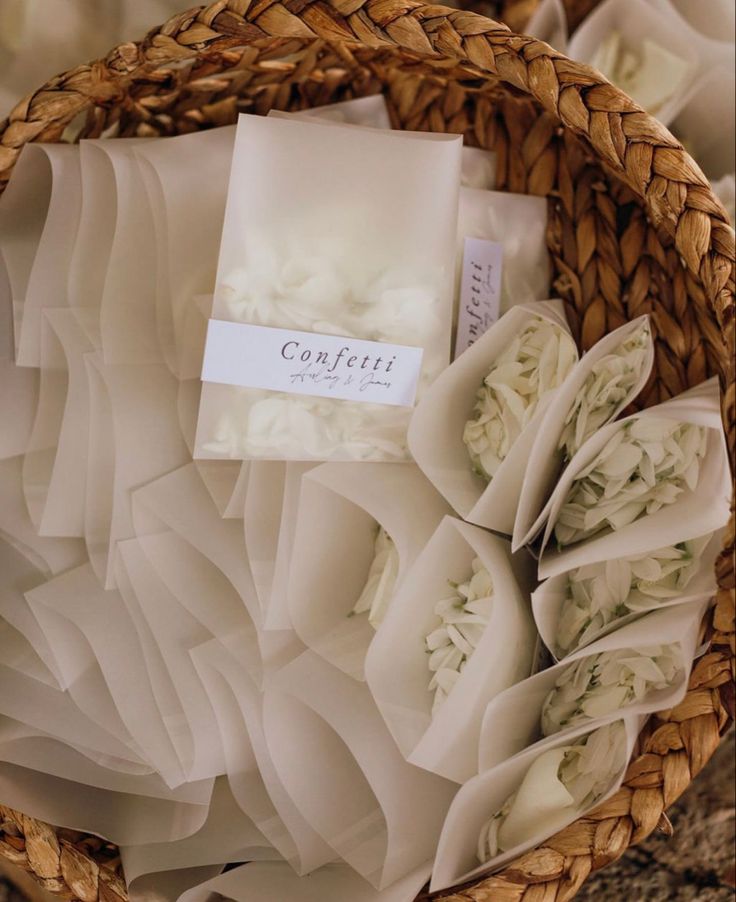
x: 548, y: 598
x: 49, y: 555
x: 122, y: 818
x: 396, y: 267
x: 709, y: 27
x: 545, y: 458
x: 436, y: 430
x: 38, y: 225
x: 18, y: 385
x: 636, y: 21
x: 102, y: 618
x: 396, y: 668
x: 262, y: 521
x: 344, y: 772
x: 704, y: 509
x: 188, y: 212
x: 480, y: 798
x: 519, y: 223
x: 512, y: 719
x: 227, y: 482
x: 226, y: 836
x: 340, y: 509
x: 548, y: 22
x: 134, y: 438
x: 268, y: 881
x: 252, y: 776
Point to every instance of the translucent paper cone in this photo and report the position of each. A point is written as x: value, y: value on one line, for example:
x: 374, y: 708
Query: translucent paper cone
x: 409, y: 255
x: 49, y: 555
x: 134, y: 438
x: 39, y: 216
x: 480, y: 798
x: 436, y: 430
x: 519, y: 223
x: 370, y: 112
x: 512, y: 720
x: 123, y: 818
x: 705, y: 124
x: 336, y: 523
x: 226, y: 836
x: 379, y: 813
x: 18, y: 385
x: 635, y: 21
x: 548, y: 599
x: 262, y: 522
x: 545, y: 458
x: 188, y: 212
x: 396, y: 667
x: 548, y: 22
x: 266, y: 881
x: 252, y: 777
x: 694, y: 512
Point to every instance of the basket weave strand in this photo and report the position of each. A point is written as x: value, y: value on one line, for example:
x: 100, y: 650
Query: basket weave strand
x: 633, y: 227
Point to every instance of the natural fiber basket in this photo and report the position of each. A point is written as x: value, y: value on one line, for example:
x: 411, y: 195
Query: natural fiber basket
x: 633, y: 227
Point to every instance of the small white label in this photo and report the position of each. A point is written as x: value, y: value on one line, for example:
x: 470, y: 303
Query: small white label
x: 309, y: 363
x: 480, y: 291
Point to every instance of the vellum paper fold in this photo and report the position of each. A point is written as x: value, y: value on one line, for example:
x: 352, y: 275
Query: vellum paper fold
x: 549, y: 597
x: 480, y: 798
x: 436, y: 429
x: 339, y: 512
x: 545, y: 458
x: 703, y: 510
x: 512, y: 720
x: 381, y: 814
x: 396, y: 667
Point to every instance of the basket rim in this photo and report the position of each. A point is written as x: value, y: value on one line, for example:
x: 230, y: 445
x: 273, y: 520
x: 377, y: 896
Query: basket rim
x: 677, y: 197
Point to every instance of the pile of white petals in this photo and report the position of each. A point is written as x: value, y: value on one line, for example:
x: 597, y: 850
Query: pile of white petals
x: 535, y: 363
x: 382, y: 574
x: 558, y: 784
x: 650, y: 76
x: 332, y: 294
x: 463, y: 618
x: 645, y: 465
x: 600, y: 594
x: 277, y: 425
x: 610, y: 380
x: 603, y: 683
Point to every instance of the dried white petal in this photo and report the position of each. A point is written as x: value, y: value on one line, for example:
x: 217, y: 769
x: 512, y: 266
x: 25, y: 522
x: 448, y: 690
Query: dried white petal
x: 379, y: 586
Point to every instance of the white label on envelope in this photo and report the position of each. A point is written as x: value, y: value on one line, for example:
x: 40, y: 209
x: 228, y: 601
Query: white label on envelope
x: 480, y: 291
x: 309, y: 363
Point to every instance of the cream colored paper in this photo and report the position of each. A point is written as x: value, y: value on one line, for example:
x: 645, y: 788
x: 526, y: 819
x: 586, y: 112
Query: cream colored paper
x: 396, y: 667
x: 370, y: 112
x: 188, y: 214
x: 269, y: 881
x: 512, y: 720
x: 636, y: 21
x: 436, y: 429
x: 253, y: 779
x: 379, y: 813
x: 549, y: 597
x: 518, y: 222
x: 340, y: 508
x: 415, y: 246
x: 545, y: 459
x: 123, y: 818
x: 697, y: 512
x: 38, y: 227
x: 18, y: 385
x: 482, y: 796
x: 262, y: 522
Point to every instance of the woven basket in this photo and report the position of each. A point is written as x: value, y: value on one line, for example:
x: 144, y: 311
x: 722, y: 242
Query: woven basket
x: 633, y: 227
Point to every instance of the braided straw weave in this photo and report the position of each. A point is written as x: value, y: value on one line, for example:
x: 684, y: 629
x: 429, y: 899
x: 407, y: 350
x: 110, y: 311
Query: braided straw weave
x: 633, y: 227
